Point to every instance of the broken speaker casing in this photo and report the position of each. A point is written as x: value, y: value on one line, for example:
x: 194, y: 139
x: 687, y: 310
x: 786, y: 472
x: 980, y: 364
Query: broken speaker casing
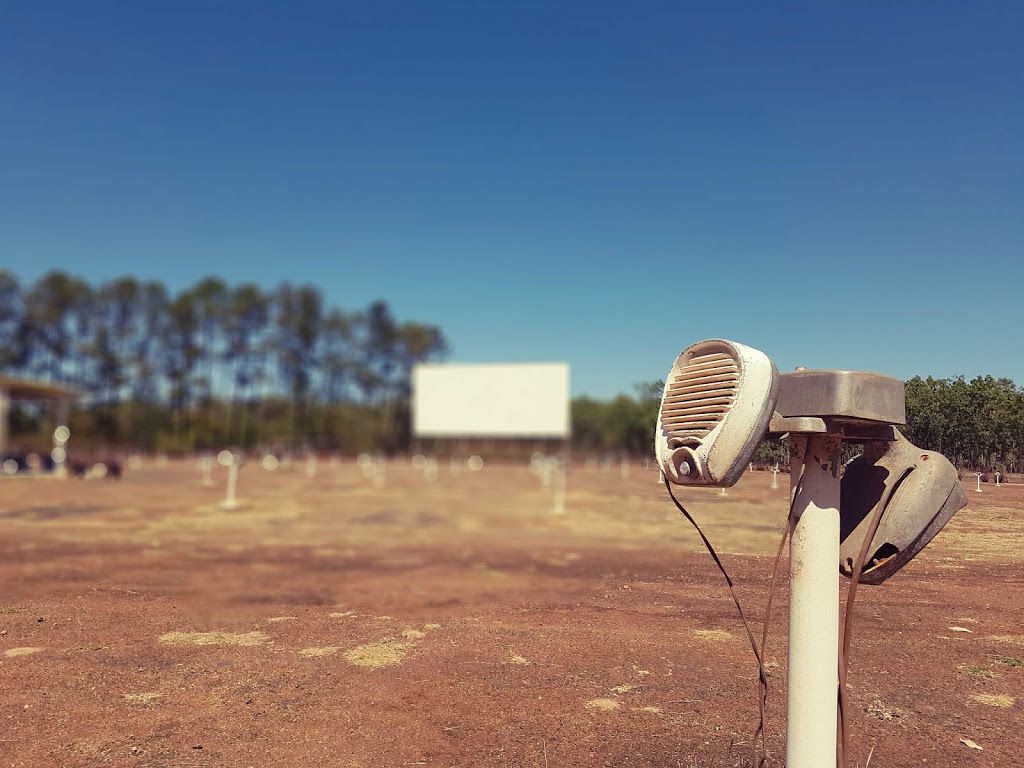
x: 916, y: 492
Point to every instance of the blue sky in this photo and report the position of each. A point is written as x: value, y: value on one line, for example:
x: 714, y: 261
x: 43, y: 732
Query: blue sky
x: 838, y: 184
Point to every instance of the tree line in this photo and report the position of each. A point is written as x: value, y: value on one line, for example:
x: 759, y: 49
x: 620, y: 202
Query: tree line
x: 218, y: 364
x: 214, y: 364
x: 976, y: 424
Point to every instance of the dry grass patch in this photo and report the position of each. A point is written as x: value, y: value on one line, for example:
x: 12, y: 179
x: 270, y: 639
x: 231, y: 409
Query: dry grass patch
x: 975, y: 672
x: 213, y: 638
x: 880, y: 711
x: 994, y: 700
x: 605, y: 705
x: 1008, y: 639
x: 712, y: 635
x: 1010, y: 661
x: 22, y: 651
x: 383, y: 653
x: 327, y: 650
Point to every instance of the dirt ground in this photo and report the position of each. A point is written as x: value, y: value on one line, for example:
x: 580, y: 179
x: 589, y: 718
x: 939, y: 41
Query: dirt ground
x: 344, y: 621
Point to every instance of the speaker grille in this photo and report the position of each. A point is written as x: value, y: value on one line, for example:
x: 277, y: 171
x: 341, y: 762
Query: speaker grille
x: 699, y: 396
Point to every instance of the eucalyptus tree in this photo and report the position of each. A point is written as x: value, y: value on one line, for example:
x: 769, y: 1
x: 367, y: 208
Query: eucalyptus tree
x: 648, y: 396
x: 961, y: 422
x: 107, y: 366
x: 378, y: 358
x: 992, y: 403
x: 210, y: 297
x: 179, y: 350
x: 588, y: 417
x: 298, y: 315
x: 631, y: 425
x: 979, y: 424
x: 622, y: 425
x: 115, y: 325
x: 245, y: 338
x: 1013, y: 449
x: 125, y: 320
x: 337, y: 356
x: 376, y: 334
x: 57, y: 317
x: 413, y: 343
x: 14, y: 348
x: 145, y: 353
x: 82, y: 314
x: 416, y: 343
x: 927, y: 416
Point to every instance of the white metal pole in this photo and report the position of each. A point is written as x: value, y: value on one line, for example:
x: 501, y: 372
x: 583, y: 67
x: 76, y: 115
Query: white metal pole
x: 60, y: 438
x: 814, y: 602
x: 206, y: 469
x: 59, y: 454
x: 230, y: 500
x: 5, y: 409
x: 560, y: 483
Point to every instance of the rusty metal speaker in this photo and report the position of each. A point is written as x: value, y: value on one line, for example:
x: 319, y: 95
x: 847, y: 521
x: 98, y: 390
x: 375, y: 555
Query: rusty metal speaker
x: 906, y: 494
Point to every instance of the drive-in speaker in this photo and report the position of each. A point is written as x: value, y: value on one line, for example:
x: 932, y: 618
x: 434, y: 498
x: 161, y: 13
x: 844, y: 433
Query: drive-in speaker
x: 718, y: 399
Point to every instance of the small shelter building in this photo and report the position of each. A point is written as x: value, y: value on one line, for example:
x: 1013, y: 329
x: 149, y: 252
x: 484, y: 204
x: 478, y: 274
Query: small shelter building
x: 14, y: 390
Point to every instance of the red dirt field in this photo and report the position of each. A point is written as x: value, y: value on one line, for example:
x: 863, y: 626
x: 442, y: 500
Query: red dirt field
x: 461, y: 622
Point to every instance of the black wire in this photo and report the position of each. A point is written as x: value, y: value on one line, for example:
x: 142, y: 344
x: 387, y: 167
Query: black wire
x: 842, y: 755
x: 758, y: 653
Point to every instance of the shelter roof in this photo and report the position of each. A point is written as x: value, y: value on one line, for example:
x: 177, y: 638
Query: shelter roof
x: 27, y: 389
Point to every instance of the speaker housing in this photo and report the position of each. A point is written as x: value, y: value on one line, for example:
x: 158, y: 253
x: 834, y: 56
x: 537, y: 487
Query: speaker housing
x: 718, y: 399
x: 918, y: 492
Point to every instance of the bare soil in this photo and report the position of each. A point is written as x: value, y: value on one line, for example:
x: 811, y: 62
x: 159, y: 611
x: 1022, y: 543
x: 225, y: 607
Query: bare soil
x: 337, y: 621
